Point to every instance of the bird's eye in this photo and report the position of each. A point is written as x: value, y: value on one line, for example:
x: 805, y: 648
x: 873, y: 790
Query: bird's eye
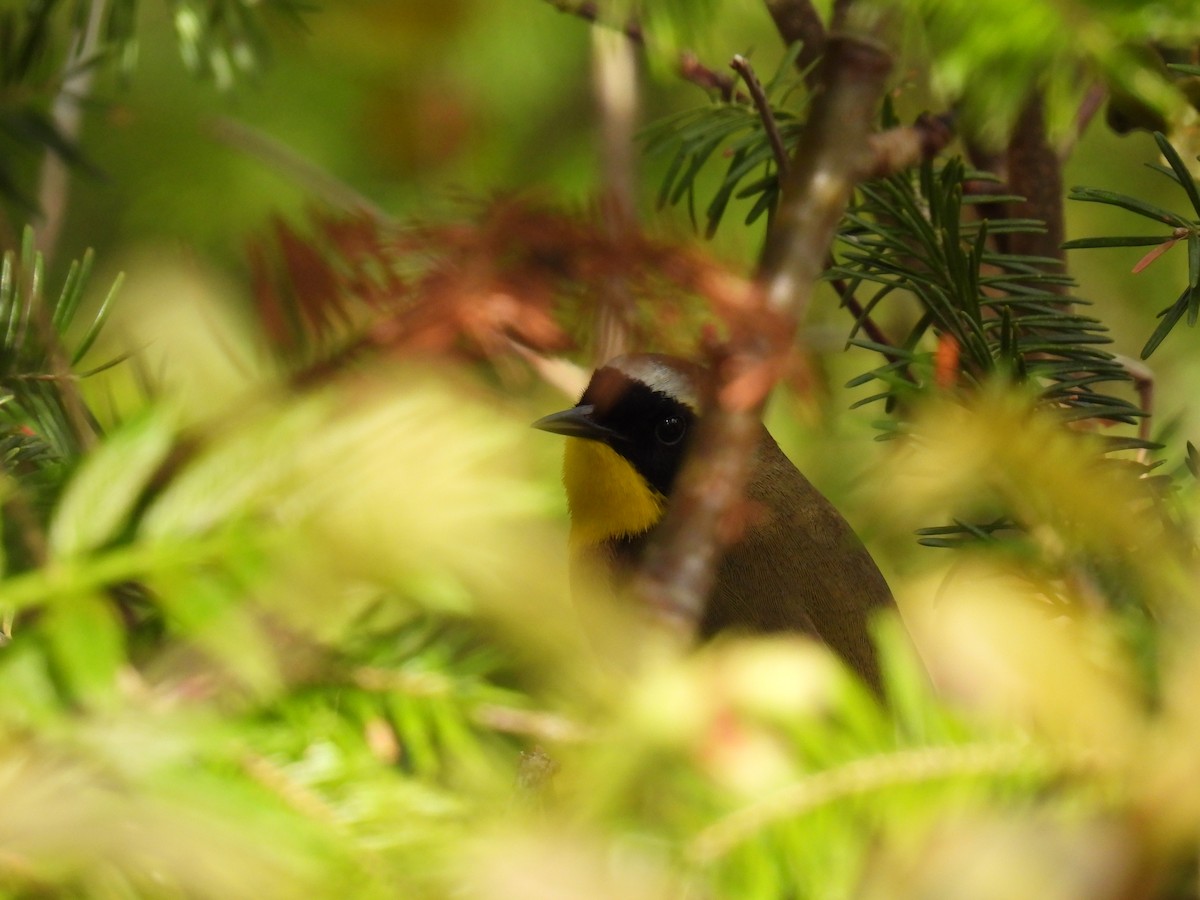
x: 670, y: 430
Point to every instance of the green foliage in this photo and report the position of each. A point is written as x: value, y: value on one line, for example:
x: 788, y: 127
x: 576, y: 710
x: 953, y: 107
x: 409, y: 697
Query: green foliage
x: 1182, y: 228
x: 908, y: 236
x: 227, y: 39
x: 27, y: 82
x: 263, y: 616
x: 666, y: 26
x: 50, y: 48
x: 305, y: 636
x: 35, y: 323
x: 44, y: 424
x: 987, y: 59
x: 735, y: 129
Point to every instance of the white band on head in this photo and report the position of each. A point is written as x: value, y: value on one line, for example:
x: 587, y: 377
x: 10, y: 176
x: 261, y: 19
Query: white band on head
x: 666, y: 374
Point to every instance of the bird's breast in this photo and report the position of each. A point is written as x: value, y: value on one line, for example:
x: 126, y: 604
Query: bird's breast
x: 607, y: 497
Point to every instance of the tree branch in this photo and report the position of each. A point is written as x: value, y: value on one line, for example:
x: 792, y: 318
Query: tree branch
x: 590, y: 12
x: 742, y: 66
x: 691, y: 69
x: 1035, y: 173
x: 901, y: 148
x: 873, y: 331
x: 893, y: 150
x: 689, y: 66
x: 834, y: 154
x: 798, y: 22
x: 896, y: 150
x: 615, y: 78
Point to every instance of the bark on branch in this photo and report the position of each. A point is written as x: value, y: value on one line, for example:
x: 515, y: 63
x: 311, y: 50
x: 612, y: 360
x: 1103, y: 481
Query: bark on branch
x: 797, y: 21
x: 1035, y: 173
x: 834, y: 155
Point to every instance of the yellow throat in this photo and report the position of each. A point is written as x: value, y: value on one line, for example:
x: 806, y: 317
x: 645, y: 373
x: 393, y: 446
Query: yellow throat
x: 606, y: 495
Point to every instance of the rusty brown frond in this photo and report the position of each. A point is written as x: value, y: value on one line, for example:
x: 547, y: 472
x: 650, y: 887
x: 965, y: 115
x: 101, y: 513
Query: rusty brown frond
x: 516, y: 271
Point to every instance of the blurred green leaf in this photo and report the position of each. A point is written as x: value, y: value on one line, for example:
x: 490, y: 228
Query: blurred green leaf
x: 99, y: 499
x: 87, y: 647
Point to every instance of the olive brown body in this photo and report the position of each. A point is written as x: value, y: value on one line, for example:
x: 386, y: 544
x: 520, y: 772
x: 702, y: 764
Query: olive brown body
x: 797, y: 566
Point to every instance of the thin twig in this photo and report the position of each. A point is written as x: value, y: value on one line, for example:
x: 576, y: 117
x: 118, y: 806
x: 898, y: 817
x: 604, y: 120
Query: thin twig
x: 691, y: 69
x: 282, y: 159
x: 590, y: 12
x: 868, y: 325
x: 1143, y: 382
x: 689, y: 66
x: 742, y: 66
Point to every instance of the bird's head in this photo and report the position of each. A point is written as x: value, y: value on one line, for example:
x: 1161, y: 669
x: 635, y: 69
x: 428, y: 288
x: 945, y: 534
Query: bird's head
x: 627, y: 439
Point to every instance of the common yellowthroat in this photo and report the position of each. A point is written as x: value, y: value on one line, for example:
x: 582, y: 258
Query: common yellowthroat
x: 798, y: 566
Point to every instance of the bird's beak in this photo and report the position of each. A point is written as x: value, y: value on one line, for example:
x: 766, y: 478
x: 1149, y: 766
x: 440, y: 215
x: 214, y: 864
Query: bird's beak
x: 575, y: 422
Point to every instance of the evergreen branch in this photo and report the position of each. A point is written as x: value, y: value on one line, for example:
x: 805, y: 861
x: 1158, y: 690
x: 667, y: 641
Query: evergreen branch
x: 742, y: 66
x: 677, y: 572
x: 866, y: 776
x: 1183, y: 175
x: 1182, y: 228
x: 752, y: 138
x: 43, y: 394
x: 863, y: 320
x: 908, y: 234
x: 697, y: 135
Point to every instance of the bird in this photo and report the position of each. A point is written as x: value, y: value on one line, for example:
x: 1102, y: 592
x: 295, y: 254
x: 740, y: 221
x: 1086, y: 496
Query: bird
x: 798, y: 566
